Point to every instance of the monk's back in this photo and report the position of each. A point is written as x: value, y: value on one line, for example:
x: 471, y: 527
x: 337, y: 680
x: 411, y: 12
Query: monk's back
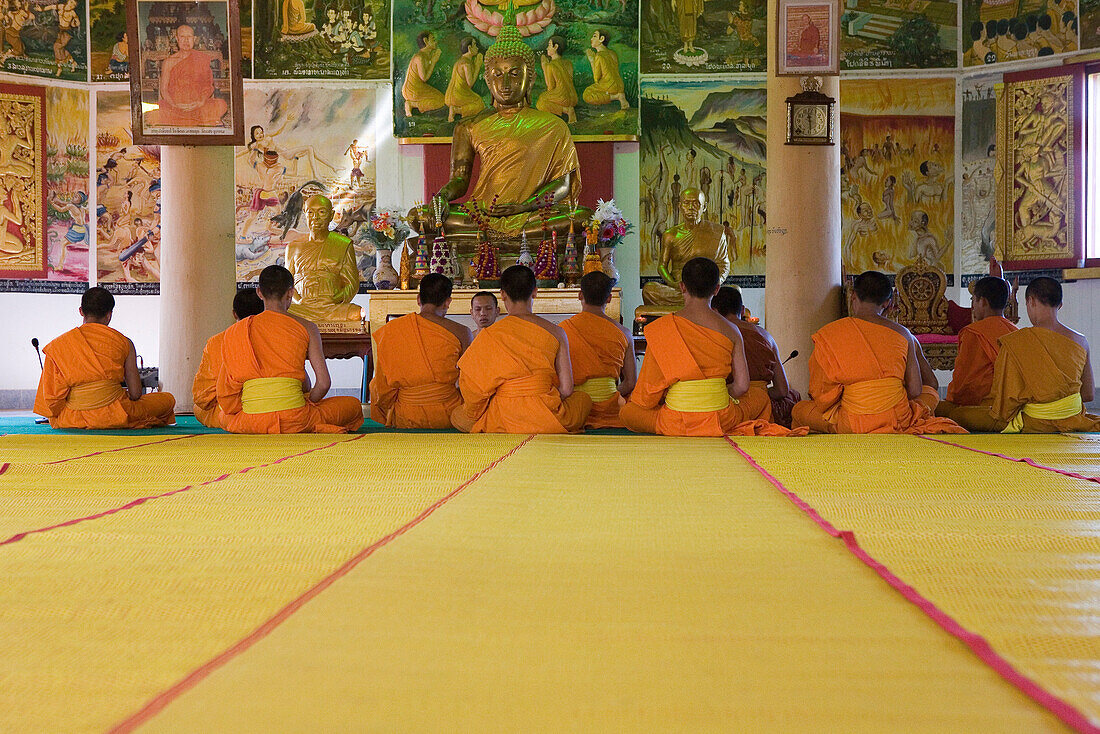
x: 862, y: 350
x: 436, y: 361
x: 597, y: 346
x: 104, y: 361
x: 709, y: 353
x: 1051, y: 364
x: 279, y: 341
x: 759, y: 353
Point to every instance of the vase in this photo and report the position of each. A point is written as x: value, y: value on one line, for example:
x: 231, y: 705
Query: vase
x: 607, y: 260
x: 385, y: 277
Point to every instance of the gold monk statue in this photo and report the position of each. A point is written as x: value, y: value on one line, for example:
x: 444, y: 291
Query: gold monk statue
x: 528, y: 160
x: 692, y: 237
x: 326, y: 276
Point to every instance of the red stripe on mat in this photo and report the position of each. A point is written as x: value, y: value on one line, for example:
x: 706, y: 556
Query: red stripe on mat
x: 1022, y: 459
x: 142, y: 500
x: 123, y: 448
x: 161, y: 700
x: 977, y: 644
x: 5, y: 466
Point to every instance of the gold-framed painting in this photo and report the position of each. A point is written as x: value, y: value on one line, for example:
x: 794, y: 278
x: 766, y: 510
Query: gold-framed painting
x: 22, y: 181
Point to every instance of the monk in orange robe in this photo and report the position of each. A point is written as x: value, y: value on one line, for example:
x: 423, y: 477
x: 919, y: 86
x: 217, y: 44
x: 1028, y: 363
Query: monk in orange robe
x: 868, y: 374
x: 416, y: 362
x: 263, y: 386
x: 187, y: 87
x: 761, y: 354
x: 968, y: 401
x: 484, y: 310
x: 516, y: 377
x: 694, y: 379
x: 204, y: 390
x: 601, y: 352
x: 82, y: 378
x: 1043, y: 374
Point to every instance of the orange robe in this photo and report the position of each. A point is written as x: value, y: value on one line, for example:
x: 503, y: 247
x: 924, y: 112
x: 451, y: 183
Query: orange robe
x: 204, y: 390
x: 272, y: 344
x: 190, y: 81
x: 763, y: 364
x: 679, y: 350
x: 509, y: 383
x: 1037, y: 365
x: 81, y: 384
x: 597, y: 348
x: 968, y: 402
x: 857, y: 384
x: 415, y: 374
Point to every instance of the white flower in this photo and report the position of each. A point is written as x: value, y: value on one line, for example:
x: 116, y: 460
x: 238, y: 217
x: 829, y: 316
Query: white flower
x: 606, y: 211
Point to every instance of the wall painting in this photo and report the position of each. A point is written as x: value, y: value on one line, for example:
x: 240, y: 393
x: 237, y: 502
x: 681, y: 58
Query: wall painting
x: 978, y: 218
x: 709, y: 135
x: 697, y: 37
x: 321, y: 39
x: 1003, y: 30
x: 22, y: 181
x: 899, y: 34
x: 68, y: 242
x: 45, y: 38
x: 897, y: 173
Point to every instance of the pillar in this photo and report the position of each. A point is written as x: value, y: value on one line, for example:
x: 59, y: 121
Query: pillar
x: 803, y: 236
x: 198, y: 277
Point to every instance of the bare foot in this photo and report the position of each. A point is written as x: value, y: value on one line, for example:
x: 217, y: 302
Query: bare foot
x: 408, y: 110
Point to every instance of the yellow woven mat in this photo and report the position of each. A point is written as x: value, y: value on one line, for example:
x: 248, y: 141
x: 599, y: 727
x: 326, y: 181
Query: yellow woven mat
x: 608, y: 584
x: 54, y: 479
x: 1077, y: 453
x: 1009, y: 550
x: 99, y: 617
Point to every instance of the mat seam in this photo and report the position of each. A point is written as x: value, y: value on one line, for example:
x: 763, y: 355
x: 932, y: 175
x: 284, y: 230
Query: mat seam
x: 1021, y: 459
x: 142, y: 500
x: 159, y: 702
x: 977, y: 644
x: 122, y: 448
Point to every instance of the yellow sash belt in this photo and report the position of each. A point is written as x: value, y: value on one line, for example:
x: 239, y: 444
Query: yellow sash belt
x: 598, y: 388
x: 698, y: 396
x: 427, y: 394
x: 92, y: 395
x: 1066, y: 407
x: 873, y: 396
x: 268, y: 394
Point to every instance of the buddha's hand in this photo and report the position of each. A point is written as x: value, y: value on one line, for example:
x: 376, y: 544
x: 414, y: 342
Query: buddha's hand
x: 506, y: 210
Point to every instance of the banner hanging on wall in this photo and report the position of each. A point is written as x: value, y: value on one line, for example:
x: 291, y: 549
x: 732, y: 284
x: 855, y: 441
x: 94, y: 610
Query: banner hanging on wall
x: 322, y: 39
x: 67, y: 163
x: 587, y: 68
x: 897, y: 173
x: 709, y: 136
x: 45, y: 38
x: 22, y: 181
x: 978, y: 218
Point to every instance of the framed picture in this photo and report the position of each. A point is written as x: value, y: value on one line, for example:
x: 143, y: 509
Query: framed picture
x: 809, y: 38
x: 185, y: 80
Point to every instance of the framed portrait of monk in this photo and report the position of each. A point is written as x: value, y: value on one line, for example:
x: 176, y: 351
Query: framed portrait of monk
x: 809, y: 38
x: 185, y: 79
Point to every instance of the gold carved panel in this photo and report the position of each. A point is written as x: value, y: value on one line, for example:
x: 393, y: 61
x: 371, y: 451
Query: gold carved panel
x: 22, y: 181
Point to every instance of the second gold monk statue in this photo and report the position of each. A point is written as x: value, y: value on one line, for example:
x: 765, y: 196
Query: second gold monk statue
x: 326, y: 276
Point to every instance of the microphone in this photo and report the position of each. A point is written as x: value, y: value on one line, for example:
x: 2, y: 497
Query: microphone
x: 791, y: 356
x: 34, y: 343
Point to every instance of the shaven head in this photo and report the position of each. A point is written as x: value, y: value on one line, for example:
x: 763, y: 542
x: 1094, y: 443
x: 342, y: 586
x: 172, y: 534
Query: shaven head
x: 596, y: 288
x: 484, y: 309
x: 275, y: 282
x: 1046, y: 291
x: 96, y: 304
x: 994, y: 290
x: 518, y: 283
x: 728, y: 302
x: 435, y: 289
x: 872, y: 287
x: 700, y: 277
x: 246, y: 303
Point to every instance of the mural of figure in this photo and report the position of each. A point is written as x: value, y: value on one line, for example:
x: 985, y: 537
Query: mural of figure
x: 460, y: 97
x: 17, y: 135
x: 931, y: 188
x: 187, y: 87
x: 119, y: 62
x: 416, y: 91
x: 10, y: 212
x: 607, y: 81
x: 864, y: 225
x: 357, y: 155
x: 691, y: 173
x: 674, y: 198
x: 293, y: 24
x: 68, y: 20
x: 888, y: 200
x: 16, y: 16
x: 687, y: 15
x: 925, y: 245
x: 705, y: 180
x: 809, y: 40
x: 560, y: 97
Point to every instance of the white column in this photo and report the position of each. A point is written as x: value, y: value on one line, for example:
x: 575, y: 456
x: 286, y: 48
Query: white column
x: 198, y: 277
x: 803, y: 239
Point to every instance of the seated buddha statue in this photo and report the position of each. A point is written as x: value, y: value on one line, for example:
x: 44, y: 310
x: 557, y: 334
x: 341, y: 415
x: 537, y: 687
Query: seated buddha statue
x: 326, y: 276
x: 692, y: 237
x: 528, y: 160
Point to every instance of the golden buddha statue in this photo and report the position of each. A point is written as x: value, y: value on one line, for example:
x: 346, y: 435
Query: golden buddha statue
x: 528, y: 160
x: 326, y: 276
x: 692, y: 237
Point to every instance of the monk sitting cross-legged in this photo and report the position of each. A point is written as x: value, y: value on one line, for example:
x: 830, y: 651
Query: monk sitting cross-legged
x: 694, y: 380
x: 601, y: 352
x: 204, y: 390
x: 516, y: 376
x: 1043, y: 375
x: 968, y: 401
x: 868, y: 374
x: 82, y: 378
x: 761, y: 354
x: 415, y: 368
x: 263, y: 386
